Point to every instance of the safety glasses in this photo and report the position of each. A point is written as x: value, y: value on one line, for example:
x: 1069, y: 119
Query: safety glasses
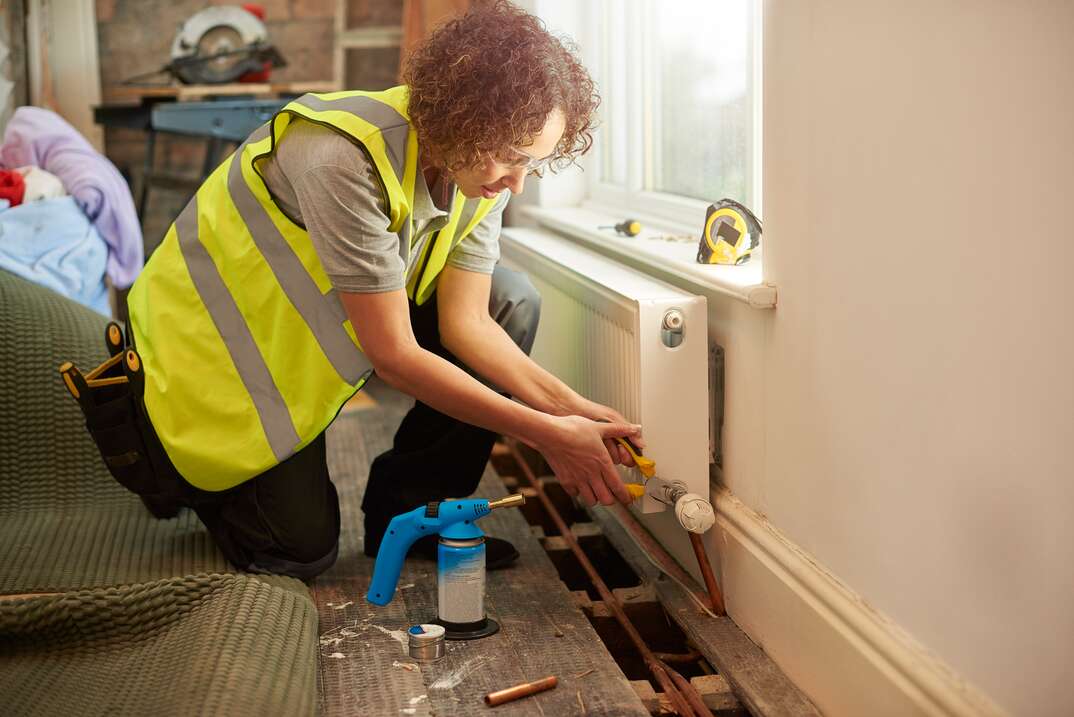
x: 533, y: 165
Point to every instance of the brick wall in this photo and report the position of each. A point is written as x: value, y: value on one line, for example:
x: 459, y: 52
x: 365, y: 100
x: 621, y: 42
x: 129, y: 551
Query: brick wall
x: 135, y: 36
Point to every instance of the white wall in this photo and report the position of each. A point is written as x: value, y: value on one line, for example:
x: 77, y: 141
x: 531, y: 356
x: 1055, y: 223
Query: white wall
x: 899, y: 431
x: 906, y: 415
x: 63, y: 62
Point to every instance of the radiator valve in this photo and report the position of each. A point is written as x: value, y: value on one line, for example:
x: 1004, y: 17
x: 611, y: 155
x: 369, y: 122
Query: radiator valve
x: 693, y: 512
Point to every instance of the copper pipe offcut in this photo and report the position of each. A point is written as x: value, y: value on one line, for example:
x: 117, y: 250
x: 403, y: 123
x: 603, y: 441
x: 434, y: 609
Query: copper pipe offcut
x: 518, y: 691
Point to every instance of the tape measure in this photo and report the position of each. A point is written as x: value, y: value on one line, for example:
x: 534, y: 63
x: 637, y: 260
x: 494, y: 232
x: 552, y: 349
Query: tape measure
x: 730, y: 235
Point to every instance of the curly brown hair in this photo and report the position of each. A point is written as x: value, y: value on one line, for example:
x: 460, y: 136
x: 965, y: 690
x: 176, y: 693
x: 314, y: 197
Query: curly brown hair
x: 487, y: 80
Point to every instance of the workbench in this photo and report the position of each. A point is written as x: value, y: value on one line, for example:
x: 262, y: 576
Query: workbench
x: 222, y: 115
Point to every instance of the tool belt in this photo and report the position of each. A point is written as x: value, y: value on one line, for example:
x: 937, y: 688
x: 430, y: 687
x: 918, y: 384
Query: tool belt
x: 111, y: 399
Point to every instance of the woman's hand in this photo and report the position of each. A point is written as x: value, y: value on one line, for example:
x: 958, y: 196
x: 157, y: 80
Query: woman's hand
x: 576, y: 448
x: 596, y: 412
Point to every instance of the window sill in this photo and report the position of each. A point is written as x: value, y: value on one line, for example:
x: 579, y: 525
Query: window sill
x: 672, y: 261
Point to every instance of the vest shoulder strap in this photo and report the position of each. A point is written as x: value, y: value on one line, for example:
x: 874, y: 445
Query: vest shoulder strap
x: 378, y: 123
x: 465, y: 215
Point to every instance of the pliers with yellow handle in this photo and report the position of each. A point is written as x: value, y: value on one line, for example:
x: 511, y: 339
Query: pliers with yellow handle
x: 647, y: 467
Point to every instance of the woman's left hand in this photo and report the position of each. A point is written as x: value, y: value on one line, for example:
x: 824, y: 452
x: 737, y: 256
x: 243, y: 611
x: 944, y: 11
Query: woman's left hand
x: 597, y: 412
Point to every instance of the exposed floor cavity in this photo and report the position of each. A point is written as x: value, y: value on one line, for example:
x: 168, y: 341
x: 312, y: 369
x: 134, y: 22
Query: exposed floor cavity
x: 659, y: 632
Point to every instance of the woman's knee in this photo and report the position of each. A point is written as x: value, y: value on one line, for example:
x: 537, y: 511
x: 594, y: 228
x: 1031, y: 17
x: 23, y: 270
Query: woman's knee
x: 304, y: 564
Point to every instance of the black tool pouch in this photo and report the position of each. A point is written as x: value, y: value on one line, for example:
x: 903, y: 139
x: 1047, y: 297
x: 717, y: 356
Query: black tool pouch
x: 110, y: 397
x: 114, y: 425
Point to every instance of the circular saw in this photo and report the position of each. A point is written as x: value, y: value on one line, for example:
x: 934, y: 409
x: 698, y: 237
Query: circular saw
x: 218, y: 45
x: 221, y: 44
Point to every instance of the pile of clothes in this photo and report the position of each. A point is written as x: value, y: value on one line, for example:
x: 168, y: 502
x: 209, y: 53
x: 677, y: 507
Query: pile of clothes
x: 29, y: 184
x: 67, y: 218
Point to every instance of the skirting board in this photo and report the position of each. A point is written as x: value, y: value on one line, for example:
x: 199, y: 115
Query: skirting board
x: 849, y: 659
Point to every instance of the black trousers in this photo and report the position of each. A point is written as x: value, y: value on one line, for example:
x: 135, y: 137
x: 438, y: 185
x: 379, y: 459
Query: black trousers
x: 286, y: 520
x: 434, y: 456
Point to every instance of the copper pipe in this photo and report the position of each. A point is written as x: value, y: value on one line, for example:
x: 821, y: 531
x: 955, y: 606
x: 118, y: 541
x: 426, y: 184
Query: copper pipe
x: 690, y: 694
x: 678, y: 702
x: 657, y: 552
x: 526, y: 689
x: 670, y: 657
x: 706, y: 572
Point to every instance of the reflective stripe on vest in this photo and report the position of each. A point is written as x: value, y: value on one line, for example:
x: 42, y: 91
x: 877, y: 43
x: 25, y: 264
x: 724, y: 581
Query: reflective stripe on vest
x: 240, y: 344
x: 322, y: 312
x: 248, y: 351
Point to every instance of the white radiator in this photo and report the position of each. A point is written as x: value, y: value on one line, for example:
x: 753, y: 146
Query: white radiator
x: 603, y: 332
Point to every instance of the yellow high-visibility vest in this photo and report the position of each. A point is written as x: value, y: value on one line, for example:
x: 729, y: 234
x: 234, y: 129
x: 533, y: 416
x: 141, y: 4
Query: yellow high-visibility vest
x: 247, y: 350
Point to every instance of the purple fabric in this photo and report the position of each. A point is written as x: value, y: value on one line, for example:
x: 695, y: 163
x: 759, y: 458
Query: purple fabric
x: 42, y: 138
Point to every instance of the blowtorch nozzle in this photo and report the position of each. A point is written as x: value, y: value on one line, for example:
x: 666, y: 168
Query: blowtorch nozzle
x: 510, y: 501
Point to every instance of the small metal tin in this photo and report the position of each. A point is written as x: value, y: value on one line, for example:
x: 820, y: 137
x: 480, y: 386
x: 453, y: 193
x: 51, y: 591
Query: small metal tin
x: 426, y: 642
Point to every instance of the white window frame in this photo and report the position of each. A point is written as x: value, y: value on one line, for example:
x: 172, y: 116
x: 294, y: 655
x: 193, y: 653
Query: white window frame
x: 576, y: 204
x: 660, y: 213
x: 640, y: 125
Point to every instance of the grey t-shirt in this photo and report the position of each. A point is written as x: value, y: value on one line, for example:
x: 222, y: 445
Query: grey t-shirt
x: 322, y: 180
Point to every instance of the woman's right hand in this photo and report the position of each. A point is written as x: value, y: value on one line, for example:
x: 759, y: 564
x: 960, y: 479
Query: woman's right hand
x: 575, y: 450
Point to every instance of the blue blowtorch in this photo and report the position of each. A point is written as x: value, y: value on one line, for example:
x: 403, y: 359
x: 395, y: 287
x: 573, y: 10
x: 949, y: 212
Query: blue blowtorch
x: 460, y: 560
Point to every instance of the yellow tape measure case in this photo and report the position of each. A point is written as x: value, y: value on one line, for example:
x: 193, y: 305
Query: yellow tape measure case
x: 730, y: 235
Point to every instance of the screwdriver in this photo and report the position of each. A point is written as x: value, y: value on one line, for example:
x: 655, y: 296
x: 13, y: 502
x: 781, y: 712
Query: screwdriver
x: 627, y: 227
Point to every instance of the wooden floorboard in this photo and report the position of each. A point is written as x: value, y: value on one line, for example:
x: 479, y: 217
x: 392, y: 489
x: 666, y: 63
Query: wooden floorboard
x: 757, y: 681
x: 364, y: 668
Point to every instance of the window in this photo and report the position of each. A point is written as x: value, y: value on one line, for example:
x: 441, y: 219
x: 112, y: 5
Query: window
x: 680, y: 129
x: 680, y: 82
